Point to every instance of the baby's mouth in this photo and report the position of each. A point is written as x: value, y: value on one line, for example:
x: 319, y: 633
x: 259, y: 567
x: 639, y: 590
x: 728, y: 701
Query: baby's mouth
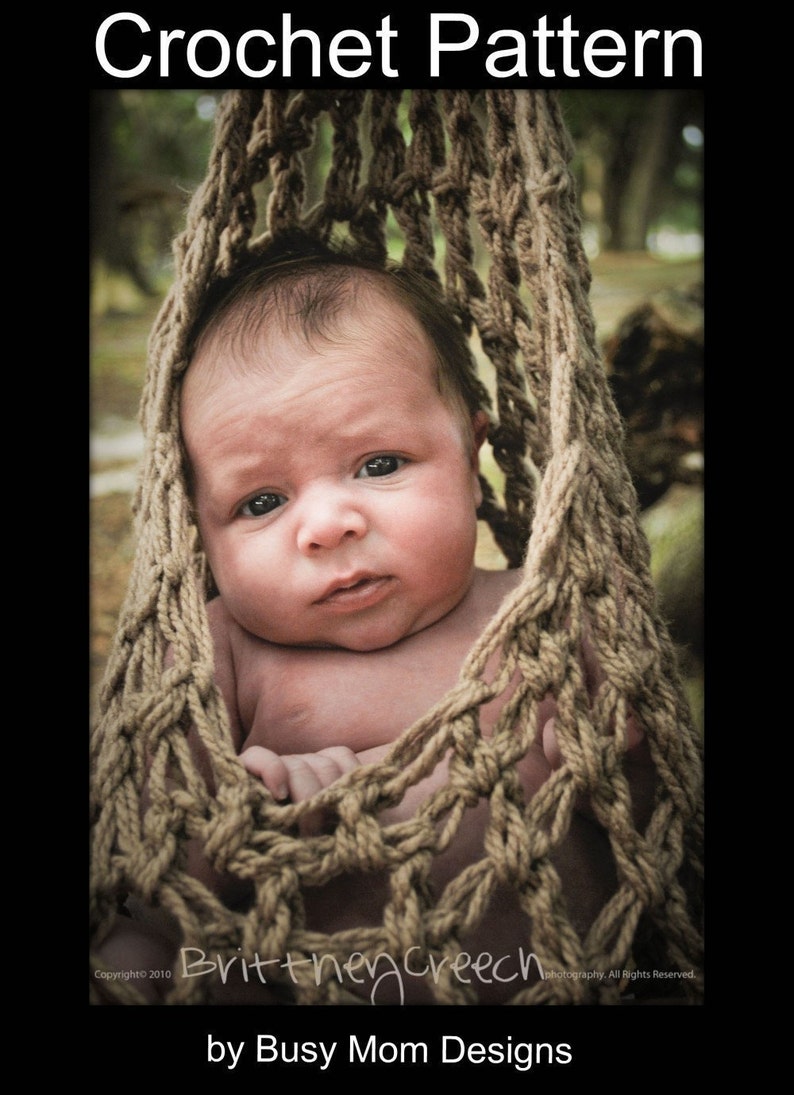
x: 352, y: 591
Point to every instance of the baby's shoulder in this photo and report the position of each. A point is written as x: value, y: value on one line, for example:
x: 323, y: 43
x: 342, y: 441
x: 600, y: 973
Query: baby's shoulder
x: 491, y: 587
x: 453, y: 635
x: 218, y: 615
x: 500, y: 581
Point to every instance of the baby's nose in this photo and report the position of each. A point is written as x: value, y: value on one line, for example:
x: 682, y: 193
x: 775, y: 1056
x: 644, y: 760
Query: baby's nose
x: 326, y: 523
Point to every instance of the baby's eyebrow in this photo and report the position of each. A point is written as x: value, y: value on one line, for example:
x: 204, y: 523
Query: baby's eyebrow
x: 242, y: 480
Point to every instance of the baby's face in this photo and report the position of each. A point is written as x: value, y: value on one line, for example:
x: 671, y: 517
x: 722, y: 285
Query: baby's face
x: 335, y: 490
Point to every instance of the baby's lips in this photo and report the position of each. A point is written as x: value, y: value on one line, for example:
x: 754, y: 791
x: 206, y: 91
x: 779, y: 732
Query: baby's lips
x: 361, y: 593
x: 345, y: 584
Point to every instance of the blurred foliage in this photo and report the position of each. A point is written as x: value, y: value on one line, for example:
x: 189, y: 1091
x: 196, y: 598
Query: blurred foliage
x: 148, y: 151
x: 169, y: 129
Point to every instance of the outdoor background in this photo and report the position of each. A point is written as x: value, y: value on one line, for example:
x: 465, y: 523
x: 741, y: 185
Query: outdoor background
x: 639, y: 170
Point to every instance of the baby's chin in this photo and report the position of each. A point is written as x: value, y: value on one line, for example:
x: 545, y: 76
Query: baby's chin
x: 352, y: 645
x: 361, y: 640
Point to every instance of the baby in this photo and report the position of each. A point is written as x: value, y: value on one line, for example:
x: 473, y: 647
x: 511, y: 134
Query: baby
x: 331, y: 428
x: 332, y: 431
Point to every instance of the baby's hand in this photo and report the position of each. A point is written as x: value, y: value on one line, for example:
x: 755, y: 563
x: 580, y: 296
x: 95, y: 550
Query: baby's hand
x: 638, y: 767
x: 298, y: 776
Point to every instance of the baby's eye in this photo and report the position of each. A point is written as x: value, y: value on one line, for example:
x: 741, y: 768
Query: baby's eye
x: 262, y: 504
x: 380, y: 465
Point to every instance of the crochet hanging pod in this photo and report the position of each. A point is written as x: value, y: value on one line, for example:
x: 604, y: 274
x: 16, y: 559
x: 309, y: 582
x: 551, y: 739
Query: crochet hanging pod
x: 486, y: 174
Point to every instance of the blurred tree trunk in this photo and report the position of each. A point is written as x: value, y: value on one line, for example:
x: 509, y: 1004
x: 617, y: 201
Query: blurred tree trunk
x: 629, y: 147
x: 642, y: 186
x: 103, y: 107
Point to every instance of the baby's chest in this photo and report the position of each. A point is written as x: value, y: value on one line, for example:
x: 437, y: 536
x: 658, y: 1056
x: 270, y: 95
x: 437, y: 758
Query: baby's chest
x: 315, y: 699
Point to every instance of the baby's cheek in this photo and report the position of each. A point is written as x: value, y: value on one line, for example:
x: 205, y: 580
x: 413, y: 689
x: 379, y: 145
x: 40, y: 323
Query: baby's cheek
x: 256, y: 593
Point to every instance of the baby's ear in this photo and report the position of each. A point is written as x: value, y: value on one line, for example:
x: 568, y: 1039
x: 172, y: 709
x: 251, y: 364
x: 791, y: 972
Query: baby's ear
x: 479, y: 424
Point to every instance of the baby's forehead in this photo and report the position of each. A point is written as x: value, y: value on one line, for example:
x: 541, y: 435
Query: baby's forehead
x: 361, y: 310
x: 255, y: 338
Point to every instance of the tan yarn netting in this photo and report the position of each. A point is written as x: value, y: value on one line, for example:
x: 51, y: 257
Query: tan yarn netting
x: 488, y: 172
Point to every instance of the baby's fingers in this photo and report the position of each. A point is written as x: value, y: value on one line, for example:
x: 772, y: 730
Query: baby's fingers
x: 269, y: 767
x: 309, y: 773
x: 635, y: 741
x: 343, y: 760
x: 637, y: 765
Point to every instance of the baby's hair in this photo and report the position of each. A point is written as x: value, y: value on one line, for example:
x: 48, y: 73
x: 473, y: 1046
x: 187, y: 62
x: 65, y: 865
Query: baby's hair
x: 300, y: 282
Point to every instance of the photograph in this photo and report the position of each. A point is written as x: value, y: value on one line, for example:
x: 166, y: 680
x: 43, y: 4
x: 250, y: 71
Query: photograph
x: 396, y: 540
